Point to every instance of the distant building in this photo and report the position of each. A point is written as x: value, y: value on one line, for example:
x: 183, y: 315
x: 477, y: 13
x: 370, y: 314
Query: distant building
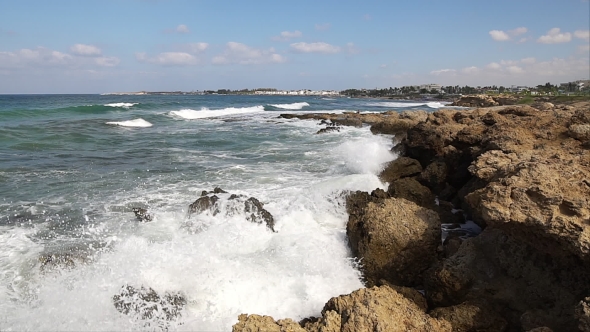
x: 430, y: 87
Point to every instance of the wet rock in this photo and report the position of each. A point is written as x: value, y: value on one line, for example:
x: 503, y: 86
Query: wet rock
x: 142, y: 214
x: 395, y: 238
x: 204, y: 203
x: 328, y: 129
x: 255, y: 212
x: 347, y: 121
x: 145, y: 303
x: 63, y: 260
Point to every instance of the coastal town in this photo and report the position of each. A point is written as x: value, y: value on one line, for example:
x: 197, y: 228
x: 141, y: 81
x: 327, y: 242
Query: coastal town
x: 424, y: 91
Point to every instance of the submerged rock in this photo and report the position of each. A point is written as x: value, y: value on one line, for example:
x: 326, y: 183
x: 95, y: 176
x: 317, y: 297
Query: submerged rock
x: 145, y: 303
x: 142, y: 214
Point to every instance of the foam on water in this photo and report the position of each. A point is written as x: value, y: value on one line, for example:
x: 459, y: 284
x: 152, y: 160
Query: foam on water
x: 122, y: 105
x: 132, y: 123
x: 191, y: 114
x: 293, y: 106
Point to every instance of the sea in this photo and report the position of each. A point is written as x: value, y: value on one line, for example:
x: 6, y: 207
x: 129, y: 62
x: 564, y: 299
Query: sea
x: 72, y: 168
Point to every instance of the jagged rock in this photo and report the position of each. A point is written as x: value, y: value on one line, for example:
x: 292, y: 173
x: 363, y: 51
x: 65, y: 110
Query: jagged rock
x: 142, y: 215
x: 395, y: 238
x: 398, y: 123
x: 347, y: 121
x: 400, y: 168
x: 328, y: 130
x: 145, y: 303
x: 257, y: 323
x: 255, y: 212
x: 375, y: 309
x: 580, y: 131
x: 412, y: 190
x: 470, y: 317
x: 583, y: 315
x: 252, y: 207
x: 512, y: 278
x: 204, y: 203
x: 485, y: 101
x: 63, y: 259
x: 434, y: 175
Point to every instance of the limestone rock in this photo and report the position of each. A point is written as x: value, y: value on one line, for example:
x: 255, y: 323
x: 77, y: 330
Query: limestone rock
x: 257, y: 323
x: 469, y: 317
x: 375, y: 309
x: 400, y: 168
x: 412, y: 190
x: 395, y: 238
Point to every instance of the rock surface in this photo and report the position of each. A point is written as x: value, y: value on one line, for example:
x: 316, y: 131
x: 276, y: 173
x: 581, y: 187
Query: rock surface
x: 395, y: 238
x: 145, y: 303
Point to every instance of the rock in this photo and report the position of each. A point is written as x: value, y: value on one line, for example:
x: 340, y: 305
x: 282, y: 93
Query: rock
x: 141, y: 214
x: 328, y: 130
x: 397, y: 124
x: 400, y: 168
x: 257, y: 323
x: 434, y: 176
x: 145, y: 303
x: 204, y: 203
x: 583, y: 315
x: 485, y: 101
x: 580, y: 131
x: 395, y: 238
x: 467, y: 317
x: 512, y: 279
x: 412, y: 190
x: 255, y: 212
x: 374, y: 309
x: 347, y: 121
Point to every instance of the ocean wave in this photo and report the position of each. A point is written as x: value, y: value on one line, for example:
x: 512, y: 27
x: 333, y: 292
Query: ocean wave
x: 433, y: 104
x: 122, y: 105
x: 132, y: 123
x: 191, y: 114
x: 293, y: 106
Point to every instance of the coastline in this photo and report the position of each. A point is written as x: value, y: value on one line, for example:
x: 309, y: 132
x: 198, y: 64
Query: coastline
x: 520, y: 172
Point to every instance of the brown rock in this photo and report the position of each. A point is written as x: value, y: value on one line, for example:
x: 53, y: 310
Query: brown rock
x: 257, y: 323
x: 400, y: 168
x: 583, y: 315
x: 395, y: 238
x: 412, y: 190
x: 375, y: 309
x: 469, y: 317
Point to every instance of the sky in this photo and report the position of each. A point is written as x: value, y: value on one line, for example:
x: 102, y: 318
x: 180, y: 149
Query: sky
x: 99, y: 46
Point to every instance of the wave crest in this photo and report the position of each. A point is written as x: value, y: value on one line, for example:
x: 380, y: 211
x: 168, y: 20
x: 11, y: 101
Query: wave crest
x: 122, y: 105
x: 132, y: 123
x: 191, y: 114
x: 292, y: 106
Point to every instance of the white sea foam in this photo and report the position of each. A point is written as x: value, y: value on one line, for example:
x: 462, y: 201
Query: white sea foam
x: 131, y: 123
x: 293, y: 106
x: 191, y: 114
x: 433, y: 104
x: 122, y: 105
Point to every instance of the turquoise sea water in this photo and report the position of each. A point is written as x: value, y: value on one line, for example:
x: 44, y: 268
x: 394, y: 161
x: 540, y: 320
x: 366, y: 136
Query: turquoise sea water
x: 73, y: 166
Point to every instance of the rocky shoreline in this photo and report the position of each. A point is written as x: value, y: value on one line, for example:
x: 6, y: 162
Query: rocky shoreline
x: 521, y: 173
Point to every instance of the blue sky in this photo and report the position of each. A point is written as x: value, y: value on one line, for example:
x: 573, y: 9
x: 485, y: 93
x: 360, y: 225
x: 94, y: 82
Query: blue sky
x: 95, y: 46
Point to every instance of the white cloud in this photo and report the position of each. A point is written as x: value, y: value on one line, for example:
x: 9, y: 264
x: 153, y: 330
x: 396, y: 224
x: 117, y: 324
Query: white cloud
x: 499, y: 35
x: 470, y: 70
x: 494, y: 66
x: 352, y: 49
x: 85, y: 50
x: 528, y: 61
x: 287, y: 35
x: 168, y: 59
x: 319, y: 47
x: 515, y: 70
x: 584, y: 48
x: 582, y: 34
x: 245, y: 55
x: 182, y: 29
x: 198, y: 47
x: 323, y: 26
x: 554, y: 36
x: 518, y: 31
x: 443, y: 72
x: 107, y: 61
x: 40, y: 56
